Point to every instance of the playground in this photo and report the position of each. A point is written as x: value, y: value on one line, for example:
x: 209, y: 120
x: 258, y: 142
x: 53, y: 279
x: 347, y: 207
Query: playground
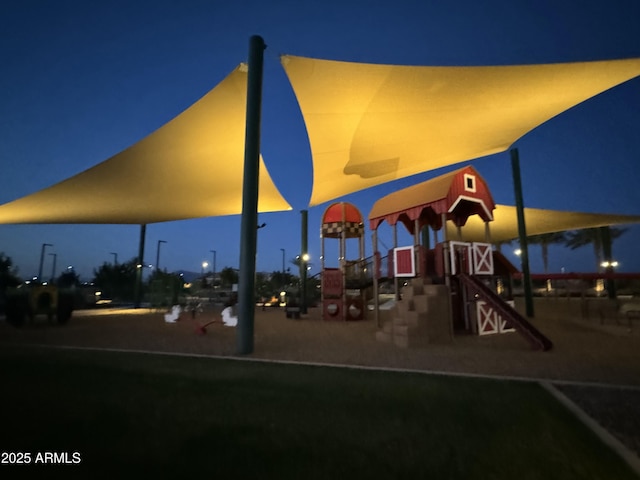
x: 585, y: 349
x: 595, y: 363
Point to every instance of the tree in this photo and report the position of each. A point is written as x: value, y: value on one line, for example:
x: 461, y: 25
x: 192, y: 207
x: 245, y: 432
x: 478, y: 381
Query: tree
x: 164, y: 288
x: 117, y: 281
x: 280, y: 280
x: 586, y: 236
x: 8, y: 274
x: 544, y: 240
x: 228, y: 276
x: 68, y: 279
x: 8, y: 277
x: 263, y: 287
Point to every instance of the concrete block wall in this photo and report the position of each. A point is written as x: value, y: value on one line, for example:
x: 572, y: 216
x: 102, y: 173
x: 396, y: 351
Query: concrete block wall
x: 422, y: 317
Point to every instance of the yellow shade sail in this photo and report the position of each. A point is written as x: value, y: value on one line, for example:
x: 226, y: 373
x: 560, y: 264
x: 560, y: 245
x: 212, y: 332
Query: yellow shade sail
x: 370, y: 124
x: 189, y: 168
x: 504, y: 226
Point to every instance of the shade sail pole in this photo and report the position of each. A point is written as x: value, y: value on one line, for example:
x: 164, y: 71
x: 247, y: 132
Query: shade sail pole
x: 605, y: 235
x: 140, y: 266
x: 522, y: 232
x: 304, y: 258
x: 249, y: 222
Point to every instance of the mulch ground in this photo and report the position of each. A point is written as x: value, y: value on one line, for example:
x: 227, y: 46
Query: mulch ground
x: 606, y: 357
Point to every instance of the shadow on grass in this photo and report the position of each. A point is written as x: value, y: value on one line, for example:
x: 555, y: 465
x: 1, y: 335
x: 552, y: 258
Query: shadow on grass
x: 174, y: 416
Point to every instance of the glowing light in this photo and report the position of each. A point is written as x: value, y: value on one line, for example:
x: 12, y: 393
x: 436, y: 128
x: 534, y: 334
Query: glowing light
x: 612, y: 263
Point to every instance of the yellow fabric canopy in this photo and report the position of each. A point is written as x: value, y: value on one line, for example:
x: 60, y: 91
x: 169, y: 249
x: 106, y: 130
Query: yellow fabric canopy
x: 370, y: 124
x: 189, y: 168
x: 504, y: 226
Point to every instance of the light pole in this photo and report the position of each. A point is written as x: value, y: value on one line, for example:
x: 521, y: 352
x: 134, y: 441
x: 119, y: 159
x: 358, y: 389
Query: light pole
x: 115, y: 258
x: 53, y: 269
x: 44, y: 245
x: 214, y: 264
x: 158, y: 254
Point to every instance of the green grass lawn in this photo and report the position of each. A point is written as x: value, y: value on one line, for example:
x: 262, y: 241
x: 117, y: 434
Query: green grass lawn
x: 160, y: 416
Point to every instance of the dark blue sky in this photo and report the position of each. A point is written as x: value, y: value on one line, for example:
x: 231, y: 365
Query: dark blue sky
x: 82, y: 80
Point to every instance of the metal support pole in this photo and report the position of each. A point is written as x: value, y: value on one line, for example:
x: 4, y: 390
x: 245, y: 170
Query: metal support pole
x: 248, y: 230
x: 396, y: 281
x: 424, y: 234
x: 416, y: 247
x: 139, y: 267
x: 522, y: 232
x: 445, y: 251
x: 303, y: 261
x: 605, y: 236
x: 376, y: 300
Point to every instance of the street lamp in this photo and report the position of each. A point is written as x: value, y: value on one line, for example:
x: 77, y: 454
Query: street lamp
x: 304, y: 258
x: 204, y: 265
x: 609, y: 264
x: 53, y: 269
x: 158, y: 254
x: 44, y: 245
x: 214, y: 263
x: 115, y: 258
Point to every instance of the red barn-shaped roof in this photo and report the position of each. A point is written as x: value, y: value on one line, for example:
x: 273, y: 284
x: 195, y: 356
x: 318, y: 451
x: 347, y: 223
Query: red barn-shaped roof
x: 458, y: 194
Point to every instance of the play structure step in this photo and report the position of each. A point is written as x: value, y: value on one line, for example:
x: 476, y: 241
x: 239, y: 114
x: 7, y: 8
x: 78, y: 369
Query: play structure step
x: 419, y: 319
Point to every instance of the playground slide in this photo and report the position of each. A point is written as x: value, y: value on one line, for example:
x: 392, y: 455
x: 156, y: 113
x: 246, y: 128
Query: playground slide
x: 475, y: 286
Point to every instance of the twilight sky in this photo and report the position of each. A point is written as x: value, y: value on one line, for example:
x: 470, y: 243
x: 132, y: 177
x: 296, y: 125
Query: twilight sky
x: 83, y: 80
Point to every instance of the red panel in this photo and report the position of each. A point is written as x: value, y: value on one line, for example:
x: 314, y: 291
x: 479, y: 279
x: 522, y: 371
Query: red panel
x: 404, y: 257
x: 332, y: 282
x: 422, y: 261
x: 439, y: 260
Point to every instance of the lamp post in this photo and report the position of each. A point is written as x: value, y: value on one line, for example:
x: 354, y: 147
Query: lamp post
x: 53, y: 269
x: 610, y: 283
x: 158, y: 254
x: 115, y: 258
x: 44, y: 245
x: 304, y: 264
x: 214, y: 263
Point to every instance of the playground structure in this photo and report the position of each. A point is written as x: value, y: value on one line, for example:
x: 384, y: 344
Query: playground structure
x: 344, y: 288
x: 39, y: 300
x: 446, y: 289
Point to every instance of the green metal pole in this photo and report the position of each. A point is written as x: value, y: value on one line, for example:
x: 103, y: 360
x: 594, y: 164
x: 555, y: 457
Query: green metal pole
x: 303, y: 261
x: 522, y: 232
x: 424, y: 232
x: 605, y: 236
x: 248, y: 230
x: 139, y: 267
